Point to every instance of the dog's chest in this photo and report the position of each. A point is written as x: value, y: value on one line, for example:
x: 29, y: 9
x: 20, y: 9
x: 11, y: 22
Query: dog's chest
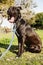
x: 21, y: 27
x: 21, y: 30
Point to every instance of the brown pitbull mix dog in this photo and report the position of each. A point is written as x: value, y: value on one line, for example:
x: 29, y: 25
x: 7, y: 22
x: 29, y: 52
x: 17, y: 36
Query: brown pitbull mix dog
x: 26, y: 34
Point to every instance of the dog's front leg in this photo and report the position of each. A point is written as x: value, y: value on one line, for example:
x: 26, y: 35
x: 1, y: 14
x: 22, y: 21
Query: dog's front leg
x: 19, y: 50
x: 21, y: 46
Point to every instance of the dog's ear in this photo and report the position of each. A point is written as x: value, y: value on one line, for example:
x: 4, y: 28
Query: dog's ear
x: 19, y: 8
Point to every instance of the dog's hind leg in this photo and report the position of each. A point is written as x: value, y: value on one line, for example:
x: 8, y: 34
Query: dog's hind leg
x: 35, y: 48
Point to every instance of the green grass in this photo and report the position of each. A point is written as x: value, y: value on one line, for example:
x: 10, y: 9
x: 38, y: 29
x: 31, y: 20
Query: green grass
x: 27, y: 58
x: 40, y: 33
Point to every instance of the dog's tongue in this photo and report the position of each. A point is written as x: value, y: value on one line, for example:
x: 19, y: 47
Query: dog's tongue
x: 11, y: 20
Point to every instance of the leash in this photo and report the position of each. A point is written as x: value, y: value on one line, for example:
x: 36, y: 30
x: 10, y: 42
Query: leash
x: 3, y: 54
x: 14, y: 31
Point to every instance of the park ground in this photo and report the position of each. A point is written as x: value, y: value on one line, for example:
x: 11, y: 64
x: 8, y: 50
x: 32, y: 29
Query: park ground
x: 27, y: 58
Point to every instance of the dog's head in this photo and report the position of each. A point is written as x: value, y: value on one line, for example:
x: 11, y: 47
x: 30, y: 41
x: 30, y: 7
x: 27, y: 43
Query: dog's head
x: 13, y: 14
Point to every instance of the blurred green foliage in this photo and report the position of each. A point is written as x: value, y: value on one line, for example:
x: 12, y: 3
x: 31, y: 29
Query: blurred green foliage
x: 38, y: 20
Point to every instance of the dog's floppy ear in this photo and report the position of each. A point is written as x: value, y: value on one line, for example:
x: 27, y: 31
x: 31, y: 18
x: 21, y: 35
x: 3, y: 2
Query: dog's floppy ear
x: 19, y: 8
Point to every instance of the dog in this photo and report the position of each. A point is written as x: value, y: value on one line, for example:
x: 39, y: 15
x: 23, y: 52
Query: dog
x: 27, y: 35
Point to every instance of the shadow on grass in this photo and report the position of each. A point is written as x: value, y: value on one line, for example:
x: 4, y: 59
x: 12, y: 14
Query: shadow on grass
x: 13, y: 48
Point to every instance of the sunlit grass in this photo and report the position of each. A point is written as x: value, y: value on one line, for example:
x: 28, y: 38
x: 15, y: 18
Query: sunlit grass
x: 40, y: 33
x: 27, y: 57
x: 5, y: 38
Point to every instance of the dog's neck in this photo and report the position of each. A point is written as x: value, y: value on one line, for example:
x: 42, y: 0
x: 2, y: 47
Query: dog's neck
x: 18, y: 22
